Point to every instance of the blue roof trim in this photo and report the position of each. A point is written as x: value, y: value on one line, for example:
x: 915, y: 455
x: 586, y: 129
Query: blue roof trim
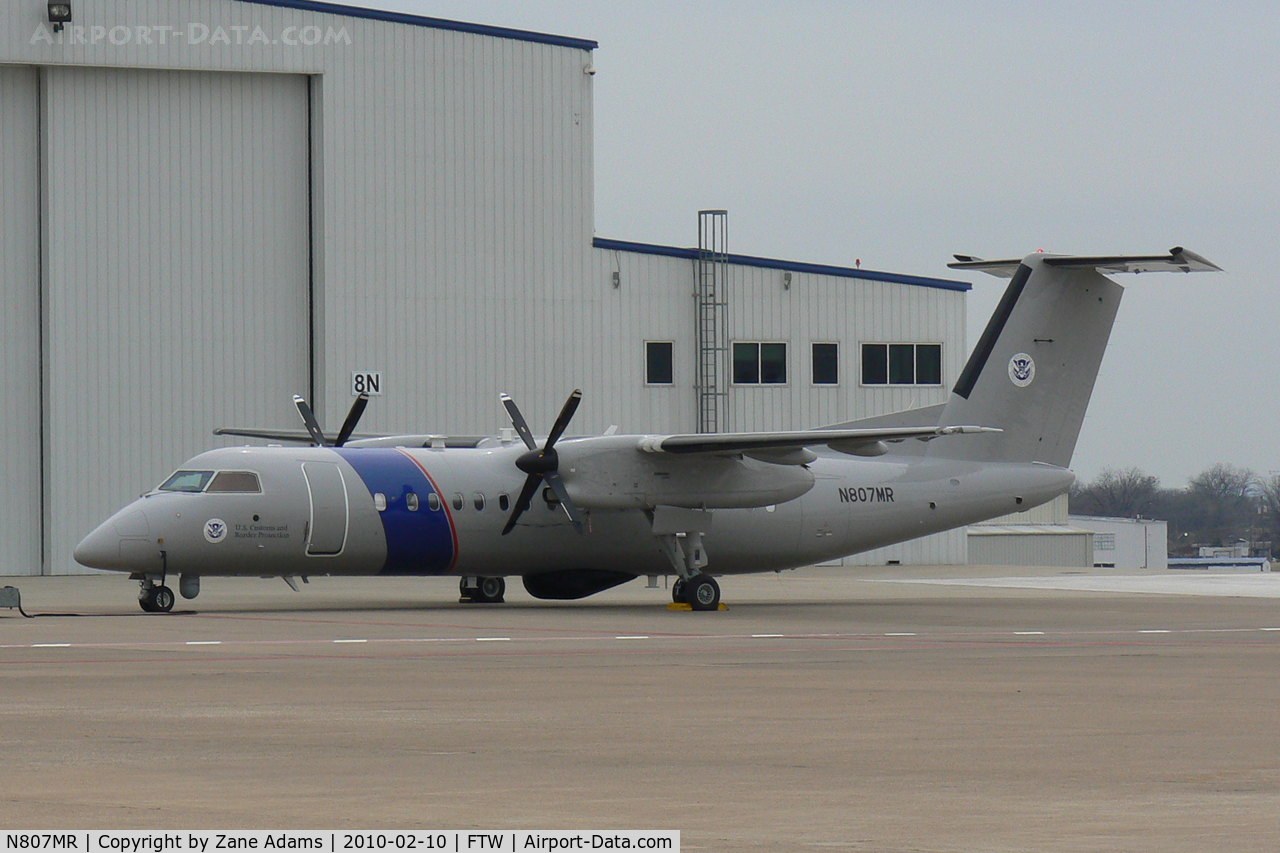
x: 793, y: 266
x: 434, y: 23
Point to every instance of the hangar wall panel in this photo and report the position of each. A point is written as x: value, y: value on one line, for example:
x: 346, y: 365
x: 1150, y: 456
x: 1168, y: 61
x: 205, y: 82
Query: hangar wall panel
x: 176, y: 222
x: 1073, y: 549
x: 654, y: 301
x: 20, y: 515
x: 457, y: 235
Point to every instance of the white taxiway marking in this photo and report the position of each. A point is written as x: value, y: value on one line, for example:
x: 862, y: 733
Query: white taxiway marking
x: 1250, y: 585
x: 694, y: 638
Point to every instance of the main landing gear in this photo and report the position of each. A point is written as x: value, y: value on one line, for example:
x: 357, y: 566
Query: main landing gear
x: 474, y: 590
x: 701, y: 592
x: 155, y: 598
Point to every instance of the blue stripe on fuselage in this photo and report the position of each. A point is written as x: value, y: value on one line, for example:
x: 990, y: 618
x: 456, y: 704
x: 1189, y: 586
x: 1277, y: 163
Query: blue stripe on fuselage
x: 419, y: 542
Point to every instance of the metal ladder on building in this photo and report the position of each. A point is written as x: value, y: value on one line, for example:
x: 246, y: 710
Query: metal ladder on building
x: 712, y: 296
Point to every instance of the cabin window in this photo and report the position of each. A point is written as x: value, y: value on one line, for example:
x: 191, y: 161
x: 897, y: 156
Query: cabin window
x: 759, y: 363
x: 186, y: 481
x: 504, y: 502
x: 826, y: 364
x: 433, y: 501
x: 379, y: 501
x: 478, y: 501
x: 411, y: 501
x: 457, y: 501
x: 658, y: 368
x: 902, y: 364
x: 244, y: 482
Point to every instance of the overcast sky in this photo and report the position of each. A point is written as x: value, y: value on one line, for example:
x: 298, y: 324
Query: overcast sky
x: 899, y: 133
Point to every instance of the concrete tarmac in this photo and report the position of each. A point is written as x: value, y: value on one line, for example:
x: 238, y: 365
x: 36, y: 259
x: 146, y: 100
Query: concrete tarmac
x: 827, y: 709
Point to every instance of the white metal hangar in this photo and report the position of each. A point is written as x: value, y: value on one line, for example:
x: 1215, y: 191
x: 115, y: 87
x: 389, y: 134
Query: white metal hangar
x: 211, y: 205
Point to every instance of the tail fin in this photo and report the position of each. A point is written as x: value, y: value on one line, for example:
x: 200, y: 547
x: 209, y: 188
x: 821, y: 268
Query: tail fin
x: 1034, y: 367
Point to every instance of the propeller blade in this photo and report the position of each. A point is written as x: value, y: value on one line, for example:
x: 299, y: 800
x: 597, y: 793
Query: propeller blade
x: 309, y: 419
x: 353, y: 418
x: 557, y: 484
x: 517, y: 421
x: 531, y: 484
x: 570, y: 406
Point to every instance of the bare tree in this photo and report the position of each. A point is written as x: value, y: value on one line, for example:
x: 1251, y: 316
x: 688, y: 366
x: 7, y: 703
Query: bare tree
x: 1224, y: 495
x: 1269, y: 498
x: 1126, y: 493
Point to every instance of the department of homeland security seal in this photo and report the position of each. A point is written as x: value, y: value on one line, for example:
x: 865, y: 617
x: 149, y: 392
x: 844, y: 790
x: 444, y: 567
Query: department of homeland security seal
x: 1022, y: 370
x: 215, y: 530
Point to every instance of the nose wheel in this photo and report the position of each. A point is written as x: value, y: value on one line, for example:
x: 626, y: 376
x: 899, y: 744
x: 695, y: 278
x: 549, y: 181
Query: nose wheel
x: 154, y: 598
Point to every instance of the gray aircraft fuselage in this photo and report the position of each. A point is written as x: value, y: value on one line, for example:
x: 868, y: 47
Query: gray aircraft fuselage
x: 424, y: 511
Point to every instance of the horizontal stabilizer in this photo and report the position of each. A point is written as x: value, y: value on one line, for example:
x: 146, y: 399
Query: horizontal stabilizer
x: 1178, y: 260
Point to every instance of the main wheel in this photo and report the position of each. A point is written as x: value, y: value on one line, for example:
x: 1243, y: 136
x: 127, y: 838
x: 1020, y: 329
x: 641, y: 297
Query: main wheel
x: 677, y: 592
x: 490, y: 591
x: 704, y: 593
x: 465, y: 593
x: 162, y: 599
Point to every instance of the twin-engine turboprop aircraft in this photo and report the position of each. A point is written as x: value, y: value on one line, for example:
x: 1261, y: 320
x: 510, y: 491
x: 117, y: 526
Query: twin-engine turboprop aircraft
x: 572, y: 516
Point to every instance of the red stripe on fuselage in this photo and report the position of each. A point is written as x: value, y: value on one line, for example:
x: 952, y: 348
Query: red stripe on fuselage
x: 453, y: 529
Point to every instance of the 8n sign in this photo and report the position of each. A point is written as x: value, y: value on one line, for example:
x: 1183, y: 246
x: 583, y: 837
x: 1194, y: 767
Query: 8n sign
x: 366, y: 382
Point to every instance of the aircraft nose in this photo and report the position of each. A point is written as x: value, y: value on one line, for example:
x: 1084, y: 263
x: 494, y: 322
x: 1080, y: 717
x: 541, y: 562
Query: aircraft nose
x: 102, y: 549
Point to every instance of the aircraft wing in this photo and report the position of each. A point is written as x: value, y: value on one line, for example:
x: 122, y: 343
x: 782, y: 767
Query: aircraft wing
x: 1178, y: 260
x: 300, y: 436
x: 862, y: 442
x: 366, y: 439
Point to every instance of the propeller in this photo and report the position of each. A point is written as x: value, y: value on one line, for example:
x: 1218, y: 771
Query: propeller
x: 542, y: 463
x: 348, y: 426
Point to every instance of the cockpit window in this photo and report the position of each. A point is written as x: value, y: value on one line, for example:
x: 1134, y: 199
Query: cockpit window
x: 186, y: 481
x: 235, y: 481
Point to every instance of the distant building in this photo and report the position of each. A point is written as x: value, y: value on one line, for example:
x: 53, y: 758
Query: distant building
x: 1127, y: 543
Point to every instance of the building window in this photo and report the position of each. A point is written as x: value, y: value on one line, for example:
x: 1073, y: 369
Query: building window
x: 826, y: 364
x: 657, y: 363
x: 759, y: 363
x: 901, y: 364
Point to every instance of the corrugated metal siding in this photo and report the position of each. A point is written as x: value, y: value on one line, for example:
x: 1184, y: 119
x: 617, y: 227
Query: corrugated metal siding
x: 1074, y: 549
x: 176, y: 245
x: 457, y: 232
x: 20, y: 511
x: 655, y: 302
